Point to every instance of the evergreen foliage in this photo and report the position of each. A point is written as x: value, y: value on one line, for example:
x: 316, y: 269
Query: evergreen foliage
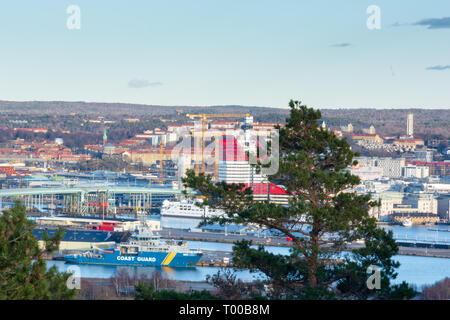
x: 23, y: 269
x: 322, y: 218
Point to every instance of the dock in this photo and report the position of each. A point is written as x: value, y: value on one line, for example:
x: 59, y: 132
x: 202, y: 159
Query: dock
x: 222, y: 259
x: 182, y: 234
x: 215, y: 259
x: 413, y: 248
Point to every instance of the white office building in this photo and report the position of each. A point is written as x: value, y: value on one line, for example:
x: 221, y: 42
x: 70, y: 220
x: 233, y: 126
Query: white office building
x: 239, y: 172
x: 392, y: 167
x: 403, y: 203
x: 420, y: 172
x: 367, y: 173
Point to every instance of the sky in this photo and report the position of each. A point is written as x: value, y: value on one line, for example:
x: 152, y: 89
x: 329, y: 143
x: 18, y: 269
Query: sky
x: 234, y: 52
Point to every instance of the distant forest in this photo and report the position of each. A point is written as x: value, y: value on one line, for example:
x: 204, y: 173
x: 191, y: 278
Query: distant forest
x: 59, y: 115
x: 428, y: 123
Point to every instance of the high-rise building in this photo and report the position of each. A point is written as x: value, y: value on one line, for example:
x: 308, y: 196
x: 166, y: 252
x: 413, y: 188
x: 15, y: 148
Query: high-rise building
x: 234, y: 166
x: 410, y: 125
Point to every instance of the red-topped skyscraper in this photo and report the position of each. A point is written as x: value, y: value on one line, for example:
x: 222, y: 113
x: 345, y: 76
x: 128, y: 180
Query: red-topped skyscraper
x: 234, y: 167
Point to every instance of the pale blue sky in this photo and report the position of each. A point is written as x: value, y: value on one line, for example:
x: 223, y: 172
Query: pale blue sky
x: 211, y: 52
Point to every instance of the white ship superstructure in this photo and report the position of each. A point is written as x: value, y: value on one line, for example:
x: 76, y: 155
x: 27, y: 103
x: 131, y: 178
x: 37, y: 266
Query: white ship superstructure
x: 189, y: 209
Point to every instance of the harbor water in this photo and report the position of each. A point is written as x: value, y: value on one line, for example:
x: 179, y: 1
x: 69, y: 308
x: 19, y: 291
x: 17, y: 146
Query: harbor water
x: 415, y: 270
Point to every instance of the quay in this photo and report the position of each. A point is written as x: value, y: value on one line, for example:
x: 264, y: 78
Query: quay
x: 408, y: 247
x: 182, y: 234
x: 222, y: 259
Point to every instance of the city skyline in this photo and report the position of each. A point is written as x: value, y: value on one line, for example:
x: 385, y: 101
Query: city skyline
x: 252, y: 54
x: 220, y: 151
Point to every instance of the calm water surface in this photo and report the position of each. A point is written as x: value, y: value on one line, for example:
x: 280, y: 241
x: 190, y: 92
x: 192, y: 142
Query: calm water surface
x: 415, y: 270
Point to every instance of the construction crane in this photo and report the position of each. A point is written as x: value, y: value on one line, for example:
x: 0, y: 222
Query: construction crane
x: 216, y: 136
x: 161, y: 154
x: 204, y: 117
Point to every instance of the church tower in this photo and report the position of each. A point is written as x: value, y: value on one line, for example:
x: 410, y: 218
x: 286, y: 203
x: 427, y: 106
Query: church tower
x: 105, y: 138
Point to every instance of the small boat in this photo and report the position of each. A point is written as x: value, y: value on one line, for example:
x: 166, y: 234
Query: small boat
x: 407, y: 222
x: 439, y: 230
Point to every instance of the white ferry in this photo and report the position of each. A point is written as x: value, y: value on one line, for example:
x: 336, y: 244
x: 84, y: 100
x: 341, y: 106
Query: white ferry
x: 189, y: 209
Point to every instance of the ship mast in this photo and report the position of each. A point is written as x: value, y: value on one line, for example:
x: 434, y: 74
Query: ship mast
x: 141, y: 217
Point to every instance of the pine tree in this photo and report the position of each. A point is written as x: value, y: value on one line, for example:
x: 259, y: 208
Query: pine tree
x: 23, y: 269
x: 323, y: 216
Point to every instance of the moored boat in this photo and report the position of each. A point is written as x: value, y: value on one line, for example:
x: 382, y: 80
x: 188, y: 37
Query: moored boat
x: 407, y: 222
x: 142, y: 249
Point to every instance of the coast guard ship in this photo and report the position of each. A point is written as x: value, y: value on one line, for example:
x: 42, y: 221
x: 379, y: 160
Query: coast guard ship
x: 143, y: 249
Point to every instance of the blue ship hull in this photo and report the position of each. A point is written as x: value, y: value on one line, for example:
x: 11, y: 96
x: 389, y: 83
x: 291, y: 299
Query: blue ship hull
x: 142, y: 259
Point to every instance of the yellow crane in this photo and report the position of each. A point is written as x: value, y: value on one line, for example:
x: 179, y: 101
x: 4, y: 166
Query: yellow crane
x: 204, y: 117
x: 161, y: 154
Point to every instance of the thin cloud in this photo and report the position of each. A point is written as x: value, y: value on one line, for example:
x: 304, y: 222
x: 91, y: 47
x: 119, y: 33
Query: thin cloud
x: 392, y: 71
x: 142, y: 83
x: 434, y: 23
x: 341, y: 45
x: 439, y: 67
x: 398, y: 24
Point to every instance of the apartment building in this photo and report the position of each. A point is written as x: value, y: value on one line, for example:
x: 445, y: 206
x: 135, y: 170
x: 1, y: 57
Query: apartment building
x: 392, y: 167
